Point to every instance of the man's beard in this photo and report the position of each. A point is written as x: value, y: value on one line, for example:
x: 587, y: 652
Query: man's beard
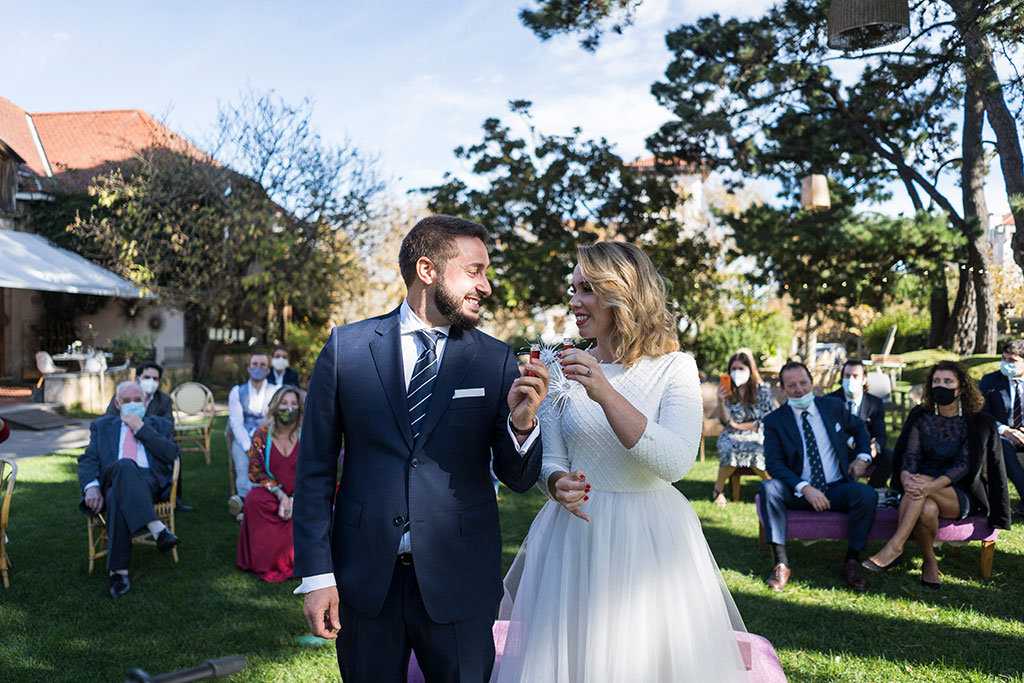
x: 449, y: 305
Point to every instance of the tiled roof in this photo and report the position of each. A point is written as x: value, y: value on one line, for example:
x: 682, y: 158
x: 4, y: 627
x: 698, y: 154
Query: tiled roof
x: 14, y: 130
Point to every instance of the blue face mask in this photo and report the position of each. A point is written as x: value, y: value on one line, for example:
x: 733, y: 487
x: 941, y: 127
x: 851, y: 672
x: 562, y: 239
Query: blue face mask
x: 1008, y: 369
x: 133, y: 408
x: 850, y: 384
x: 802, y: 403
x: 258, y: 374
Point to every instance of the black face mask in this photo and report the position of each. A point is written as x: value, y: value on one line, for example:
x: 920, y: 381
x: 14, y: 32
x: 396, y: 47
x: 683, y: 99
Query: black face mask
x: 943, y: 396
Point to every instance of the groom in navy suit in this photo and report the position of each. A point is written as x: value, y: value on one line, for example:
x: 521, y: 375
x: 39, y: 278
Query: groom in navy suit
x: 805, y: 452
x: 407, y: 554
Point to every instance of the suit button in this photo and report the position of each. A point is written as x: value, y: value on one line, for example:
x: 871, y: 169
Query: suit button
x: 415, y: 462
x: 399, y: 520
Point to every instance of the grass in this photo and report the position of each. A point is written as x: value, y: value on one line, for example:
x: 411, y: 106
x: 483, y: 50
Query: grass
x: 56, y: 623
x: 919, y: 362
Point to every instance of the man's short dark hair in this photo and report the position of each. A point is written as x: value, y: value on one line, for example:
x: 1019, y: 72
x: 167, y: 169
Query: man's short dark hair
x: 146, y: 365
x: 434, y: 238
x: 793, y: 365
x: 853, y: 362
x: 279, y: 347
x: 1014, y: 347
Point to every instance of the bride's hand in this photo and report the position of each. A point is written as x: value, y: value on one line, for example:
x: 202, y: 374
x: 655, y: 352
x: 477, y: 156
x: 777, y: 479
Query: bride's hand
x: 582, y: 367
x: 571, y: 491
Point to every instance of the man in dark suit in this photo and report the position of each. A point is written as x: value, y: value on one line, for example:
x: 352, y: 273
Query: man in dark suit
x: 1004, y: 402
x: 806, y: 454
x: 124, y: 469
x: 280, y: 373
x: 420, y: 400
x: 871, y: 411
x: 148, y: 374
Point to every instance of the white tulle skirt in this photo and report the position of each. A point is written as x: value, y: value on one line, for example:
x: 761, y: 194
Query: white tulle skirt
x: 633, y: 595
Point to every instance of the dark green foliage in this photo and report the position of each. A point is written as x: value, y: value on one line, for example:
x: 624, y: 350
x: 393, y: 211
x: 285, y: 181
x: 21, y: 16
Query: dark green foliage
x: 764, y: 332
x: 587, y: 18
x: 911, y: 332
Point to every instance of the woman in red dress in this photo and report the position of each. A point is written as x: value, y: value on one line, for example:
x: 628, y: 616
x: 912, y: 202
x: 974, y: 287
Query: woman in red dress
x: 265, y: 542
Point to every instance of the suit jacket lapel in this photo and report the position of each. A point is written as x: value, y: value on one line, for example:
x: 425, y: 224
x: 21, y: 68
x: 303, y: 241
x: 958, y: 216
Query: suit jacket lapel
x: 789, y: 420
x: 1007, y: 394
x: 386, y: 350
x: 459, y: 353
x: 113, y: 433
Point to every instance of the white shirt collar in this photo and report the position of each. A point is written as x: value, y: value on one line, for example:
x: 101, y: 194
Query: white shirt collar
x: 409, y: 322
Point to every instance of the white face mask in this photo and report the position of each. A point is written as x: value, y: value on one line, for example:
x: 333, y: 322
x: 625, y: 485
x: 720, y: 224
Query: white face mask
x: 740, y: 376
x: 279, y: 363
x: 149, y: 385
x: 852, y: 387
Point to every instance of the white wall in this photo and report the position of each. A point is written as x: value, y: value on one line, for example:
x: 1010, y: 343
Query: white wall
x: 113, y: 319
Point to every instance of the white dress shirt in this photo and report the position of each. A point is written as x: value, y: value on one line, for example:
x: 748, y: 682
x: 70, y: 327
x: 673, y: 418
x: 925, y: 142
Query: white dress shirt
x: 829, y: 461
x: 1016, y: 395
x: 140, y: 454
x: 412, y: 346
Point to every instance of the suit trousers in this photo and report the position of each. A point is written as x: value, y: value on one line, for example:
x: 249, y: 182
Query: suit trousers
x: 128, y: 492
x: 1014, y: 470
x: 859, y: 500
x: 376, y: 649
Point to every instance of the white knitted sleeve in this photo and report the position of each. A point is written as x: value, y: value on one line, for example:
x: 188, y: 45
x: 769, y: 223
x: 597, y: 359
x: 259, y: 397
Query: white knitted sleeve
x: 556, y: 458
x: 668, y: 447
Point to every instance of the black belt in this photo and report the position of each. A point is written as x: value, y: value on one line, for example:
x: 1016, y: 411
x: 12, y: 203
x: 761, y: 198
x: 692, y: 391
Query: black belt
x: 405, y: 559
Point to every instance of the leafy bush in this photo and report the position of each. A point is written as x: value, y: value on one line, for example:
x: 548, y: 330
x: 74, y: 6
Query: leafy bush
x: 305, y: 339
x: 911, y: 332
x: 131, y: 347
x: 764, y: 332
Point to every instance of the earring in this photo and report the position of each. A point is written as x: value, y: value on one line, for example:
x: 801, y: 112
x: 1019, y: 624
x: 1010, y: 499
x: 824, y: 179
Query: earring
x: 959, y: 407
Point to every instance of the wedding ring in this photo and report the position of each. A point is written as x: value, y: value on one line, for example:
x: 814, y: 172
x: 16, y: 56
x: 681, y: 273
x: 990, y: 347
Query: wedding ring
x: 590, y: 372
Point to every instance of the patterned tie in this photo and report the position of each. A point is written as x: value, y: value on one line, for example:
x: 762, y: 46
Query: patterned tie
x: 851, y: 407
x: 817, y: 471
x: 1018, y: 412
x: 130, y: 448
x: 421, y: 383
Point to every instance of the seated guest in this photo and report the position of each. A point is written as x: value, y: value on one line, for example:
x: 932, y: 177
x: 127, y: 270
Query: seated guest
x: 941, y: 457
x: 265, y: 542
x: 125, y: 468
x: 247, y: 407
x: 5, y: 431
x: 280, y: 373
x: 742, y: 404
x: 871, y: 410
x: 1003, y: 392
x: 148, y: 375
x: 812, y: 469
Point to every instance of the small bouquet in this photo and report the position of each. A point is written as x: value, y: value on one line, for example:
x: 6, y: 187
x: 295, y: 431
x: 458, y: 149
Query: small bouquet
x: 560, y: 388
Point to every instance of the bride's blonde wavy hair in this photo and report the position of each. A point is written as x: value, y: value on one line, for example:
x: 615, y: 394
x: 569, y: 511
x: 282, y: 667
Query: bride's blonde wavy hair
x: 626, y: 281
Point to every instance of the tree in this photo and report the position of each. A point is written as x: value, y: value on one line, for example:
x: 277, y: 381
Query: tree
x: 543, y: 196
x: 223, y: 246
x: 589, y: 18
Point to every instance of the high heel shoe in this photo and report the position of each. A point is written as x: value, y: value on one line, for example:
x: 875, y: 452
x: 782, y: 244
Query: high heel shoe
x: 718, y: 497
x: 934, y: 585
x: 875, y: 567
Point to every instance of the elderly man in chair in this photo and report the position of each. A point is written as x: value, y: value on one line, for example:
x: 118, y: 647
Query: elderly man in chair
x: 125, y: 468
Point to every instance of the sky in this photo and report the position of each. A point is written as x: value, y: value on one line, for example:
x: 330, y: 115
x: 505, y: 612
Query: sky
x: 408, y: 80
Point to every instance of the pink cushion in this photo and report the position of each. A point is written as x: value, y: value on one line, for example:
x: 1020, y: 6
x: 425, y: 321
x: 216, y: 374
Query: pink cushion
x: 806, y: 524
x: 765, y: 667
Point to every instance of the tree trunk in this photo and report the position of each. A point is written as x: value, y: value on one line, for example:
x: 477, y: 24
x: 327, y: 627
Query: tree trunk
x: 203, y: 348
x: 962, y: 328
x: 979, y: 247
x: 981, y: 69
x: 938, y: 306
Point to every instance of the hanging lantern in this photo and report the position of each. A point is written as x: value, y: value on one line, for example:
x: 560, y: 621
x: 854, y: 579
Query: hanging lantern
x: 814, y: 193
x: 864, y: 24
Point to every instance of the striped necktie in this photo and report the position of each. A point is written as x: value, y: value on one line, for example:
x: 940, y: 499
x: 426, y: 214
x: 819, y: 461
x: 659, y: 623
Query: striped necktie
x: 421, y: 384
x: 1018, y: 411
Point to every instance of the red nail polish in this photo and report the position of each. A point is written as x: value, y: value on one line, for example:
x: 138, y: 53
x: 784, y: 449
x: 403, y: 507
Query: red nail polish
x: 586, y: 497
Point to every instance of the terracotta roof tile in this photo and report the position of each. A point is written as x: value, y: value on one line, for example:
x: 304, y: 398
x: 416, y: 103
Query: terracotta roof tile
x: 14, y: 130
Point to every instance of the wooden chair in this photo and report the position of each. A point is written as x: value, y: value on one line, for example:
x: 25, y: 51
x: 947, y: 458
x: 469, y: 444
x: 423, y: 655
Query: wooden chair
x: 97, y: 527
x: 8, y: 474
x: 193, y: 417
x: 734, y: 479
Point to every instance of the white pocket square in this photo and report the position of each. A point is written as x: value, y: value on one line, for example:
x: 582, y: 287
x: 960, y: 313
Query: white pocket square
x: 838, y: 427
x: 468, y: 393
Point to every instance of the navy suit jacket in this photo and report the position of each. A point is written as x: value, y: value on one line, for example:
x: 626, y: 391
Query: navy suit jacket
x: 441, y: 483
x: 156, y: 434
x: 784, y: 449
x: 995, y: 387
x: 290, y: 377
x: 872, y: 412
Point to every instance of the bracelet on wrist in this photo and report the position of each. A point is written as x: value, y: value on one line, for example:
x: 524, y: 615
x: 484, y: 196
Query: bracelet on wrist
x: 522, y: 432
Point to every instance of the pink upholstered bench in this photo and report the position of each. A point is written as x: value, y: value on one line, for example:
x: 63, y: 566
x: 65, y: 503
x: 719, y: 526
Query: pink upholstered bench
x: 807, y: 525
x: 758, y: 653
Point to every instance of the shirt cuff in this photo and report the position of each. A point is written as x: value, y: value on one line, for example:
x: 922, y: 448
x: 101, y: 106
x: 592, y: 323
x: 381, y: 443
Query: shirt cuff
x: 1002, y: 429
x: 865, y: 457
x: 315, y: 583
x: 529, y: 440
x: 800, y: 487
x: 94, y: 482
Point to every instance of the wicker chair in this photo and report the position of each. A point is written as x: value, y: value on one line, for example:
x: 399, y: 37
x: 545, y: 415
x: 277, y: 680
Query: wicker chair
x: 193, y: 417
x: 97, y: 526
x: 8, y: 474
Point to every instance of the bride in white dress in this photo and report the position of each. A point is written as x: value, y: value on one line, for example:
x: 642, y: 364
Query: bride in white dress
x: 615, y: 581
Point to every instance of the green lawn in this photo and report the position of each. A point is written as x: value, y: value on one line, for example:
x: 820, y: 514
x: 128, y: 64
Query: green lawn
x: 57, y: 624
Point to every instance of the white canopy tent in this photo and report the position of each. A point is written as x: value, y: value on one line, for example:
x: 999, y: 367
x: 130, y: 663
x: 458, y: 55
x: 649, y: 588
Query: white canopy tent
x: 30, y: 261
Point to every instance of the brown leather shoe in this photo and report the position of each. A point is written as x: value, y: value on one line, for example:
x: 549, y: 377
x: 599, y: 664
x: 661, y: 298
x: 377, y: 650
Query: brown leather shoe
x: 854, y: 577
x: 779, y: 578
